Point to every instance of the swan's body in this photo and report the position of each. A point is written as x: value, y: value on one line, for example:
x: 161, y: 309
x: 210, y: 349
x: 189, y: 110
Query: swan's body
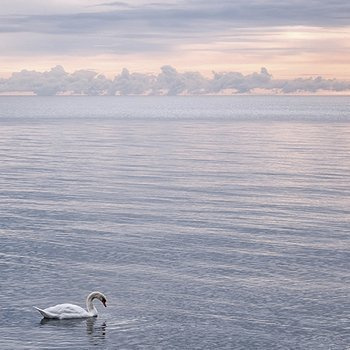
x: 69, y: 311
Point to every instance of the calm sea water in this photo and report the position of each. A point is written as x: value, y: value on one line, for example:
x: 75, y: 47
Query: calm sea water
x: 208, y: 222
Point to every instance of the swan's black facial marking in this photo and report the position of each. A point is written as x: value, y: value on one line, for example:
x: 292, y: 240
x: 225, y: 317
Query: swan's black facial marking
x: 104, y: 301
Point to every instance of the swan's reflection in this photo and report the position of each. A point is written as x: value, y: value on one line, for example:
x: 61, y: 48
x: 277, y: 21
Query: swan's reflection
x: 73, y: 323
x: 96, y: 331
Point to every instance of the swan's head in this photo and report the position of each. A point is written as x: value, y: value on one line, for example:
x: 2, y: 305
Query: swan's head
x: 98, y: 295
x: 103, y: 300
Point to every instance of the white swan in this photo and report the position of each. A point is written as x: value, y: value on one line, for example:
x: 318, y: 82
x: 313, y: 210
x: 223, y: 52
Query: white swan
x: 69, y: 311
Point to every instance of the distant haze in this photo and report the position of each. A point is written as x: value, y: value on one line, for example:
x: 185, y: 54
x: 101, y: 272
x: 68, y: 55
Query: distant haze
x: 292, y: 38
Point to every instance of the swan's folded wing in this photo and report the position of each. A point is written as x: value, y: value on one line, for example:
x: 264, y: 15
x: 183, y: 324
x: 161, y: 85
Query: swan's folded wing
x: 65, y: 311
x: 44, y: 313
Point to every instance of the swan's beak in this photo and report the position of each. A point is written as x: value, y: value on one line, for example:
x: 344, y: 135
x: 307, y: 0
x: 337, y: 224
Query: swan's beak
x: 104, y: 303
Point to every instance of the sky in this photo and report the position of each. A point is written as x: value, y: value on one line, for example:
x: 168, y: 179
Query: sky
x: 291, y: 39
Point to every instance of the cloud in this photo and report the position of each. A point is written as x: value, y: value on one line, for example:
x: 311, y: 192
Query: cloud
x: 311, y: 85
x: 168, y: 82
x: 132, y: 84
x: 161, y: 27
x: 47, y: 83
x: 56, y: 81
x: 87, y: 82
x: 198, y: 16
x: 241, y: 83
x: 115, y: 4
x: 174, y: 83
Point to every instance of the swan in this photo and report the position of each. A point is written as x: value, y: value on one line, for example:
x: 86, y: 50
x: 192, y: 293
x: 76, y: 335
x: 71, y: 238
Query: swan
x: 69, y: 311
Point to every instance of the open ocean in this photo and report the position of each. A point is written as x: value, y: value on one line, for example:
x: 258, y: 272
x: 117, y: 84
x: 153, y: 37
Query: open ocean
x: 208, y: 222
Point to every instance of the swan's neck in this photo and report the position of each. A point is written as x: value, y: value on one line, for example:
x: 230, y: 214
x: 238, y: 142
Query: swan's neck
x: 89, y: 305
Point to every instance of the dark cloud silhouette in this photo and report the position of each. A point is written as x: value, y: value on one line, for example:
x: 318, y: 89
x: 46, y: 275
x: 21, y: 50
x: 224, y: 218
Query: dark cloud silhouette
x: 168, y: 82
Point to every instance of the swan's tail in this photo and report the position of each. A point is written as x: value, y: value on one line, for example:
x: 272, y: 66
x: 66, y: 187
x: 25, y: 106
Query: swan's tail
x: 43, y: 313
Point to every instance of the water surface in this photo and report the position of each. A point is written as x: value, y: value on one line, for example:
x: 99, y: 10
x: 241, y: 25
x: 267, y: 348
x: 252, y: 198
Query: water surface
x: 209, y: 222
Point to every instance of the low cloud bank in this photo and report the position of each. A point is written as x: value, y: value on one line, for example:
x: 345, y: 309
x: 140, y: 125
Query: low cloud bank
x: 168, y: 82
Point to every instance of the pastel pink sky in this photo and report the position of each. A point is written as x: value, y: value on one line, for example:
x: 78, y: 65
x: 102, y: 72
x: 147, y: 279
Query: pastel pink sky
x: 291, y: 39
